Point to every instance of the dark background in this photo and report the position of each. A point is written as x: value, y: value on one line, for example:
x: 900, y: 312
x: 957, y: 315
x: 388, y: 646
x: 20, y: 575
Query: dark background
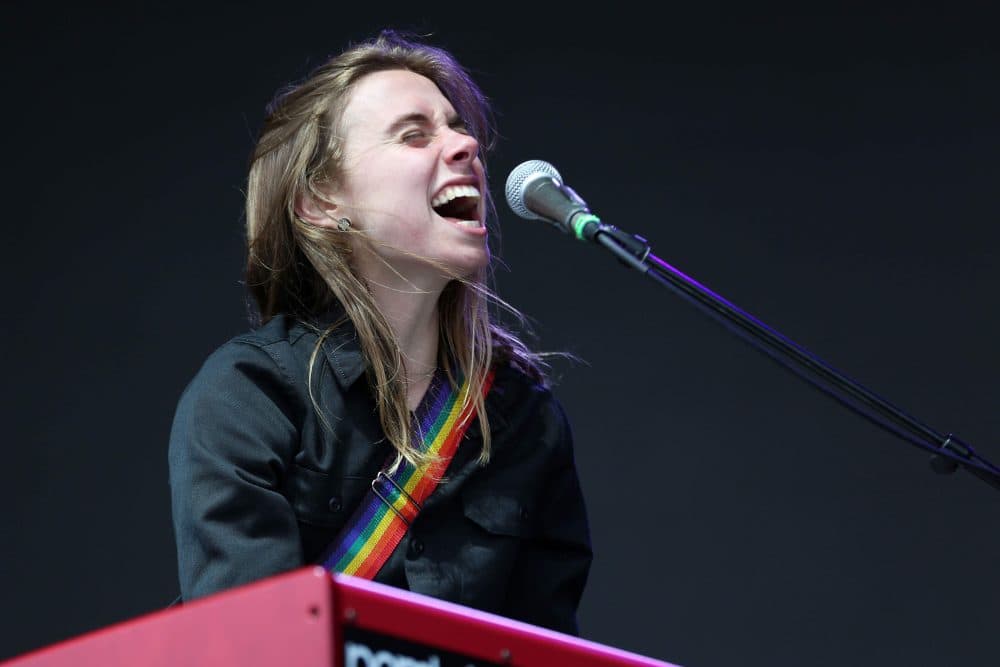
x: 833, y: 172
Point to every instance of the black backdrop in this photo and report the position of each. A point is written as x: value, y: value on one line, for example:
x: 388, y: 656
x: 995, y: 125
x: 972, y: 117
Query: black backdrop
x: 834, y: 173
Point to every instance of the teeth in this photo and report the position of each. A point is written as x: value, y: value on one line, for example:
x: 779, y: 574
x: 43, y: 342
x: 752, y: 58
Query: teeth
x: 454, y: 192
x: 468, y: 223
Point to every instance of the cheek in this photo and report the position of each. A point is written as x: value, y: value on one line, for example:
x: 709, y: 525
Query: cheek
x: 390, y: 197
x: 401, y: 228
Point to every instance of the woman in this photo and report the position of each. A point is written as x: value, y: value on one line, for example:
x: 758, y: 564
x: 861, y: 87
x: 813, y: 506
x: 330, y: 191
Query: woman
x: 377, y: 391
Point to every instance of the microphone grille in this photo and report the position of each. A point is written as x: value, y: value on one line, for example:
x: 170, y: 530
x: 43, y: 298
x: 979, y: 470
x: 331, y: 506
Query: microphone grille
x: 518, y: 181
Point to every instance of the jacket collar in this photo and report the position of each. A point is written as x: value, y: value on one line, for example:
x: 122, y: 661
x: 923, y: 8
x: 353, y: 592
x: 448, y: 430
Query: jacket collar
x: 342, y: 347
x: 343, y: 351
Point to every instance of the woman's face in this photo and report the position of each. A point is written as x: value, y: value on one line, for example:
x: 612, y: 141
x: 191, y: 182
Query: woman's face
x: 412, y: 181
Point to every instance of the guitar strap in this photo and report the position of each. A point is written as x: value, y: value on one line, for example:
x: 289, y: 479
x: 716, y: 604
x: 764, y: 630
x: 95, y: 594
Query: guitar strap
x: 396, y: 496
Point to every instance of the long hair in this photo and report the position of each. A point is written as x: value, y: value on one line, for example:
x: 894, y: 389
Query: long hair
x: 301, y: 269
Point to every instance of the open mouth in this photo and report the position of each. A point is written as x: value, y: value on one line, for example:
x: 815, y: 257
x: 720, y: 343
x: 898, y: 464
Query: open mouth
x: 458, y: 204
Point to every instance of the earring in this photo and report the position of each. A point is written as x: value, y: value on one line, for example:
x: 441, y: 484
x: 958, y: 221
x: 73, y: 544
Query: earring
x: 343, y: 224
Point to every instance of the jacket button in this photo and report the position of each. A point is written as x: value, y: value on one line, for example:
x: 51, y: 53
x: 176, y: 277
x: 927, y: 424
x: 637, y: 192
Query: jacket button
x: 416, y: 548
x: 334, y: 504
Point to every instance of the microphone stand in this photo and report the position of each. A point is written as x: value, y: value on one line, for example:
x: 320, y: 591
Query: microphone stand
x: 948, y: 452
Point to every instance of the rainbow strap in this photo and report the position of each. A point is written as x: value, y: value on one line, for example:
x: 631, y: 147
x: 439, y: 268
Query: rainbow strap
x: 395, y: 499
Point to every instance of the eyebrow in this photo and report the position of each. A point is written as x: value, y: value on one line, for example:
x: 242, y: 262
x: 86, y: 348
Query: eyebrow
x: 422, y: 119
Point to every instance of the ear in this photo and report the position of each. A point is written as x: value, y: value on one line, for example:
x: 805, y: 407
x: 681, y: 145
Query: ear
x: 319, y: 213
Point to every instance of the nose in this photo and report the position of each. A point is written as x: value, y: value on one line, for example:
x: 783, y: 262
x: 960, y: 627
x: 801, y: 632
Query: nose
x: 461, y: 147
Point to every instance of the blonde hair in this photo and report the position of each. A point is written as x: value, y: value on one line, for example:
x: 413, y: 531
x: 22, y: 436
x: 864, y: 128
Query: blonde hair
x: 303, y: 270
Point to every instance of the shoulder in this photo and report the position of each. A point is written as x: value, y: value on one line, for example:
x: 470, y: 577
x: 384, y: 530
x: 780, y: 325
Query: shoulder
x: 519, y: 401
x: 241, y: 414
x: 262, y: 361
x: 273, y: 346
x: 513, y: 384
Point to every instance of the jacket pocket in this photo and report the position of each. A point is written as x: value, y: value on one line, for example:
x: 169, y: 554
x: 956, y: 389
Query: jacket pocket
x: 500, y: 513
x: 321, y: 500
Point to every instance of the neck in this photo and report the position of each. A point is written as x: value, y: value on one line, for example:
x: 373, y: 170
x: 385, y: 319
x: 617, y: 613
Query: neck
x: 413, y: 318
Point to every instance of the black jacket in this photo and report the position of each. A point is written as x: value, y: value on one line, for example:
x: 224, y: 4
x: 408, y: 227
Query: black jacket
x: 261, y: 485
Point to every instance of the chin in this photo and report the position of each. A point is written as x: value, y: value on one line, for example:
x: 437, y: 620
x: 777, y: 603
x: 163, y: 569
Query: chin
x: 473, y: 264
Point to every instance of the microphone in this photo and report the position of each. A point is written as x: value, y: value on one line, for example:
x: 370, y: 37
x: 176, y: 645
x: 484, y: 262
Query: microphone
x: 535, y: 191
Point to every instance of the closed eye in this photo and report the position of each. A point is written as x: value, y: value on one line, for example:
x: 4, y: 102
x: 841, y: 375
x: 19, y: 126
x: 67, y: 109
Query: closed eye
x: 415, y: 136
